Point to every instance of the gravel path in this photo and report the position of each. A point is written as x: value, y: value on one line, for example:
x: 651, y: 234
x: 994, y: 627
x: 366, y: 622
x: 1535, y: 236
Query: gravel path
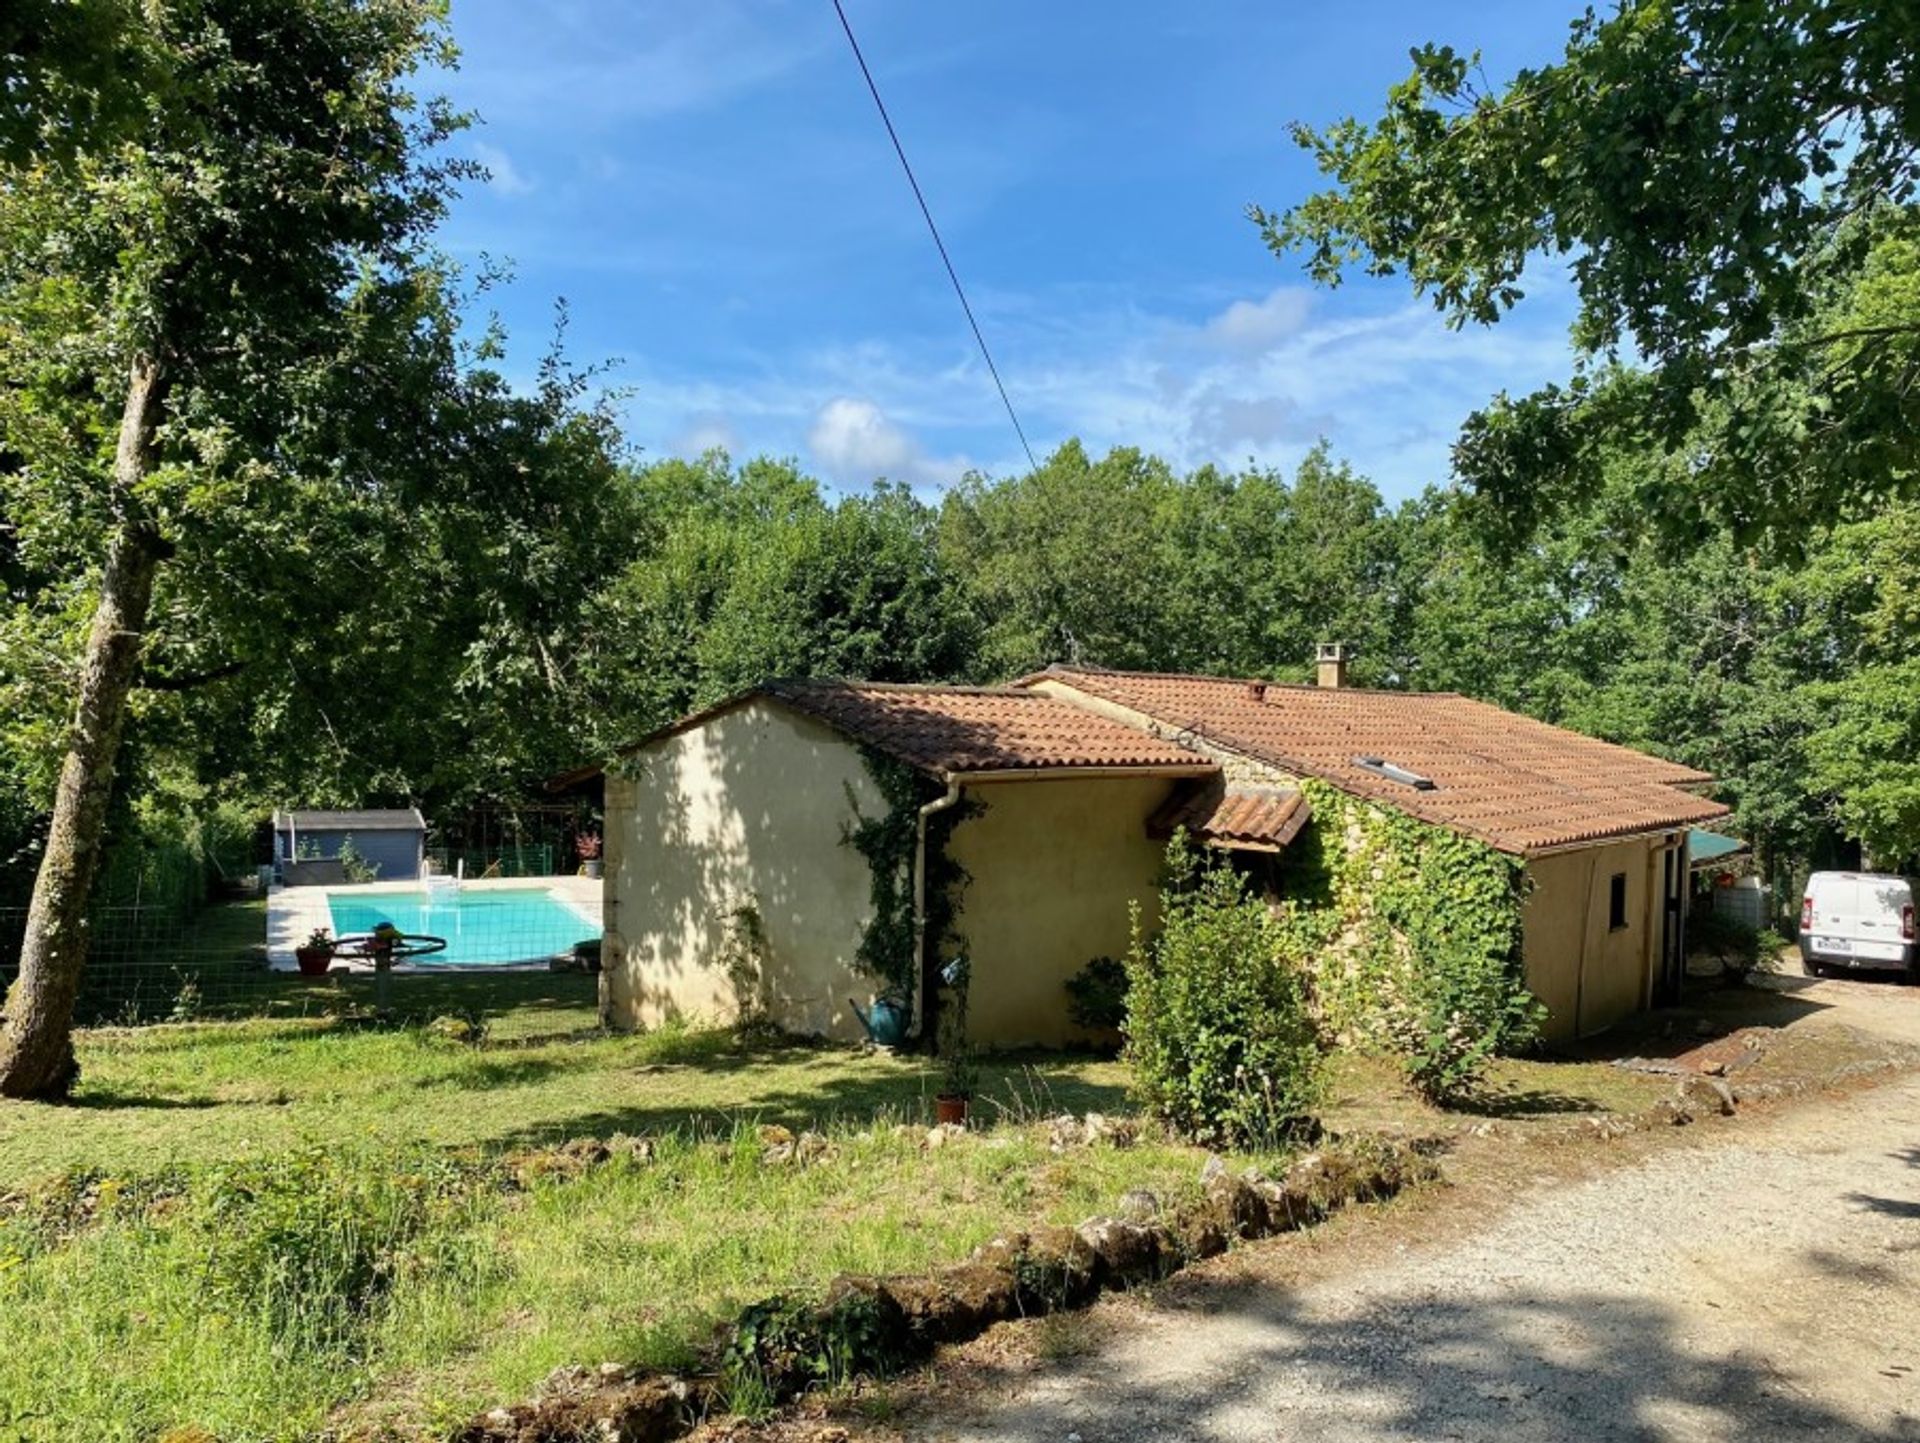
x: 1763, y: 1286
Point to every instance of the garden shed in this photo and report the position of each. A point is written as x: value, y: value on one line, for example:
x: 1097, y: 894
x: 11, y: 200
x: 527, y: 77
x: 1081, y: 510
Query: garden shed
x: 308, y: 844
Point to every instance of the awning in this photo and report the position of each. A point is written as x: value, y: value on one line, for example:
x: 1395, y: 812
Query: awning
x: 1248, y: 818
x: 1710, y: 851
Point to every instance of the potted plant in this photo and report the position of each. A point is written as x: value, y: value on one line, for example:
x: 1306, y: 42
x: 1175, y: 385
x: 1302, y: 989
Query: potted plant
x: 587, y: 845
x: 959, y: 1072
x: 315, y: 955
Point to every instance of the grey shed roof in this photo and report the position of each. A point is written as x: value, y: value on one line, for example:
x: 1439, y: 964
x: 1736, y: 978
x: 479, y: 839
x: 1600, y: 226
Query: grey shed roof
x: 370, y: 819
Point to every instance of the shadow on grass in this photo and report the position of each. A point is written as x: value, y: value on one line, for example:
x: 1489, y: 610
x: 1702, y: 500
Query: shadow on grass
x: 1525, y: 1102
x: 1009, y: 1091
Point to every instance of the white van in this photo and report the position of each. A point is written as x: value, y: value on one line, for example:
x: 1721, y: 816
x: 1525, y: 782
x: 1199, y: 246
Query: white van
x: 1859, y: 919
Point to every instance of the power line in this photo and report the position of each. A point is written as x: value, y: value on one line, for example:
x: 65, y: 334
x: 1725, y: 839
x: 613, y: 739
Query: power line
x: 934, y: 231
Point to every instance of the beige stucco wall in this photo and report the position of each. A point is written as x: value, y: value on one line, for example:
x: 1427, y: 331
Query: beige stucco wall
x: 1589, y: 975
x: 1054, y: 866
x: 749, y: 807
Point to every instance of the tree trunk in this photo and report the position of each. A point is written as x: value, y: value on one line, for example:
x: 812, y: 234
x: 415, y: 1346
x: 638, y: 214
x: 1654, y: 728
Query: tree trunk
x: 36, y: 1042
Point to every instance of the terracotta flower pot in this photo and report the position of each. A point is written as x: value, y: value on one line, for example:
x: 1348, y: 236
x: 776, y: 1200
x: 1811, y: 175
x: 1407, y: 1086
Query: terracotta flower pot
x: 314, y: 961
x: 950, y: 1109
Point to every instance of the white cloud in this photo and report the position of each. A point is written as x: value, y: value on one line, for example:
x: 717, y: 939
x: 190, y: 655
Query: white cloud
x: 1388, y: 385
x: 854, y: 442
x: 707, y: 431
x: 502, y: 174
x: 1255, y: 325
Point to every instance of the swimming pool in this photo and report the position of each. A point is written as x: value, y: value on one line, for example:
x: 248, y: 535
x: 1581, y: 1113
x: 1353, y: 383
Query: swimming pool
x: 491, y: 926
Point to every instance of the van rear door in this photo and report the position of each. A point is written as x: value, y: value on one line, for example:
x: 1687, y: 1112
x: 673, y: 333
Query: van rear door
x: 1859, y: 916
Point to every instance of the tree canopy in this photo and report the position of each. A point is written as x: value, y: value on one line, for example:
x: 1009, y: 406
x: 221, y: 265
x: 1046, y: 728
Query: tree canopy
x: 1729, y: 184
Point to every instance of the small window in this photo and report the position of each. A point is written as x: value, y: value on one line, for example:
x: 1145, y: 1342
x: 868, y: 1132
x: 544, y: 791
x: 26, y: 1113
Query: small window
x: 1617, y: 903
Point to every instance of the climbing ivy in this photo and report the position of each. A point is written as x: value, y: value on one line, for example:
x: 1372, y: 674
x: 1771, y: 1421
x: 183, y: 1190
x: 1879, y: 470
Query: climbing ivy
x: 1411, y: 934
x: 887, y: 841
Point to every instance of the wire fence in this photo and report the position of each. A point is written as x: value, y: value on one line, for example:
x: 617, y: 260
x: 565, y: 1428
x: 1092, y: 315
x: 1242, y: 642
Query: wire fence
x: 441, y: 945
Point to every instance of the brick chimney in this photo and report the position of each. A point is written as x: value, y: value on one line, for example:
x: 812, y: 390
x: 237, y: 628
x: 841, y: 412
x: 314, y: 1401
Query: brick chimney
x: 1330, y: 663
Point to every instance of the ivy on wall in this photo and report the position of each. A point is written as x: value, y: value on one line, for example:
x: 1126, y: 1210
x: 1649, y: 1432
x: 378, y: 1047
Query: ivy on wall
x: 1375, y: 903
x: 887, y: 841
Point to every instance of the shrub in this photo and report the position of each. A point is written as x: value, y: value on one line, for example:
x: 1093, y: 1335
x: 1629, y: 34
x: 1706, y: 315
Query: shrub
x: 1717, y: 934
x: 1097, y: 996
x: 1217, y: 1028
x: 1453, y: 1010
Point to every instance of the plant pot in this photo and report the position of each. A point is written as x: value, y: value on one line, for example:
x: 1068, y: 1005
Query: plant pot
x: 948, y: 1108
x: 314, y: 961
x: 590, y: 869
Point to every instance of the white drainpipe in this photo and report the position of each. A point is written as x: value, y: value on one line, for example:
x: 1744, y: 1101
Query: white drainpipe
x: 938, y: 804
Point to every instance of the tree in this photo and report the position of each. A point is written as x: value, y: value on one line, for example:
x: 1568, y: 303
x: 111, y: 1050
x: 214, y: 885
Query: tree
x: 1719, y: 172
x: 181, y: 292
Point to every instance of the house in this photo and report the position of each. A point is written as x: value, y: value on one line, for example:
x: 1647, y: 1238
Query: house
x: 307, y: 845
x: 735, y: 880
x: 1600, y: 831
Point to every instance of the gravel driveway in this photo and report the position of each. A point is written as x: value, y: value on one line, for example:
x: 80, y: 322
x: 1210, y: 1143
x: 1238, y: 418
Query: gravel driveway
x: 1764, y: 1285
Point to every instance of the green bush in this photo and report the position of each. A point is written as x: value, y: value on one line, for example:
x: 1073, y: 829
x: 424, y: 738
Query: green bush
x: 1218, y: 1032
x: 1097, y: 996
x: 1453, y: 1009
x: 1717, y: 934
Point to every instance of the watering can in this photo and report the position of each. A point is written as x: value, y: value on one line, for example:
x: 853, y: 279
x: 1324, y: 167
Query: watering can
x: 885, y: 1020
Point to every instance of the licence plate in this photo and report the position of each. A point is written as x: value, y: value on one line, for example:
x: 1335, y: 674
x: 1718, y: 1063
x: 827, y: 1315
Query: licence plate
x: 1840, y: 946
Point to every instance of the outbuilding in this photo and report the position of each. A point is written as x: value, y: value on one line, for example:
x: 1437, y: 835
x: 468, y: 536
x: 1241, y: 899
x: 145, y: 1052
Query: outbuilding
x: 369, y: 844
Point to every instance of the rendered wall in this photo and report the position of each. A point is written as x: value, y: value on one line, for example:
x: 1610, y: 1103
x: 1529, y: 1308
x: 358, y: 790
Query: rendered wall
x: 749, y: 807
x: 1589, y: 975
x: 1054, y: 866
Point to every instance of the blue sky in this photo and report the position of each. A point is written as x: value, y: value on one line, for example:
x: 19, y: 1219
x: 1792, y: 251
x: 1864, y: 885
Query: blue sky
x: 709, y: 187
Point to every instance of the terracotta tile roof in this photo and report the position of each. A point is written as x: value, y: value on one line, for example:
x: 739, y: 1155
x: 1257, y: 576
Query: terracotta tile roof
x: 1513, y: 782
x: 980, y: 729
x: 1232, y: 815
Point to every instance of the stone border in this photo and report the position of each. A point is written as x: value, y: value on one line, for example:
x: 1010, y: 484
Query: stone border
x: 873, y: 1325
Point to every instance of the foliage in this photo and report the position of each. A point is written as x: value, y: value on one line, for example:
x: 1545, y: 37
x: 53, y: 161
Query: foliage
x: 1718, y: 934
x: 1410, y: 935
x: 1218, y: 1031
x: 354, y: 864
x: 890, y: 942
x: 311, y: 1242
x: 959, y: 1064
x: 468, y: 1289
x: 1717, y: 171
x: 1097, y: 995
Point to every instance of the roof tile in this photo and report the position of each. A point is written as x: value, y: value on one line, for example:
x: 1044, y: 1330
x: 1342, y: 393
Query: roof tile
x: 1518, y: 784
x: 979, y: 729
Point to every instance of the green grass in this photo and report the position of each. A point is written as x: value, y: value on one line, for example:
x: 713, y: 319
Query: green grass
x: 152, y: 1317
x: 333, y: 1245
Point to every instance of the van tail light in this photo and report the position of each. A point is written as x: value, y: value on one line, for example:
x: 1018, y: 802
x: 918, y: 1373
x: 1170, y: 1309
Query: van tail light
x: 1806, y: 912
x: 1906, y: 923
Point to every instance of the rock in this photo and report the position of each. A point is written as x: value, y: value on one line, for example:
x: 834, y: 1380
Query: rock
x: 1239, y: 1211
x: 1706, y: 1094
x: 777, y: 1155
x: 1057, y: 1270
x: 957, y: 1303
x: 632, y: 1149
x: 1212, y: 1168
x: 943, y: 1133
x: 1065, y: 1131
x: 1139, y: 1205
x: 774, y: 1135
x: 1127, y: 1252
x: 810, y: 1147
x: 454, y: 1029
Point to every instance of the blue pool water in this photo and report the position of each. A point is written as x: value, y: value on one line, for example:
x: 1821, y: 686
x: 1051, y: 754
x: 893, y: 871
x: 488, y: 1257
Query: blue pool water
x: 499, y: 925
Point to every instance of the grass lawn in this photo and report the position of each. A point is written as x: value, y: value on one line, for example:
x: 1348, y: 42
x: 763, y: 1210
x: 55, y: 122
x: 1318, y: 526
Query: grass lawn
x: 330, y: 1248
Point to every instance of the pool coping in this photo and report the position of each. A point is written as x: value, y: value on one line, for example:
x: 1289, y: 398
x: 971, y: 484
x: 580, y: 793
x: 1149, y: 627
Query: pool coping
x: 294, y: 912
